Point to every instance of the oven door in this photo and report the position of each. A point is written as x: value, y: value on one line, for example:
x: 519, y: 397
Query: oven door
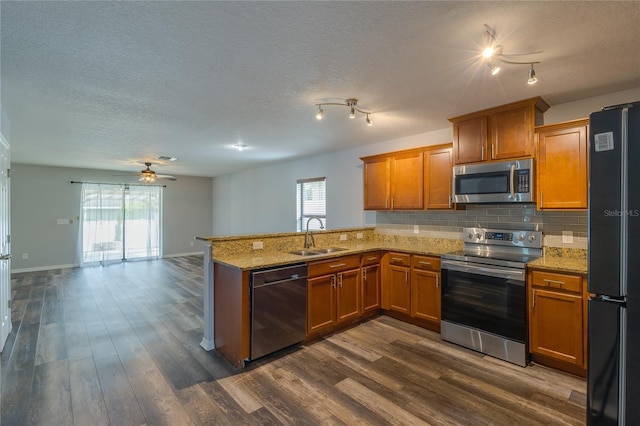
x: 485, y: 297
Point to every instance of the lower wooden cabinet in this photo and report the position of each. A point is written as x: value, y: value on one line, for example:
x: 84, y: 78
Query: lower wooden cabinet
x: 425, y: 288
x: 371, y: 276
x: 398, y: 282
x: 557, y: 320
x: 333, y: 293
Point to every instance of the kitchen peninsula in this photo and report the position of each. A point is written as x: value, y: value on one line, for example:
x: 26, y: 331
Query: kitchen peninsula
x: 407, y: 265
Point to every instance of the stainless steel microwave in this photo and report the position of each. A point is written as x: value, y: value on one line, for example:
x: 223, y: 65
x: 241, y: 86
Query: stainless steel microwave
x: 496, y: 182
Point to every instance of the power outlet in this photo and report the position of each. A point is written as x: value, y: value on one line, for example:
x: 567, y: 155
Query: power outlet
x: 258, y: 245
x: 416, y: 229
x: 567, y: 237
x: 359, y: 235
x: 343, y: 237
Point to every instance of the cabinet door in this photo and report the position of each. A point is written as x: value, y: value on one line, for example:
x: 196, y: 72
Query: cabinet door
x: 370, y: 288
x: 556, y: 328
x: 425, y: 295
x: 562, y: 168
x: 399, y: 289
x: 512, y: 133
x: 320, y: 303
x: 377, y: 174
x: 470, y: 140
x: 438, y: 177
x: 407, y: 180
x: 347, y: 295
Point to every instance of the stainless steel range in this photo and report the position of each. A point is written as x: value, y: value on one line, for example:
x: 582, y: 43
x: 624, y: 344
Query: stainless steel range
x: 484, y: 294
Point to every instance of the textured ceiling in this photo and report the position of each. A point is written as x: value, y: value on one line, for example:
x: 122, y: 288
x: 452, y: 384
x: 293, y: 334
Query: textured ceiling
x: 108, y: 85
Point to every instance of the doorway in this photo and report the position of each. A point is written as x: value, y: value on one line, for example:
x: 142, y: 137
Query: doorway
x: 120, y: 222
x: 5, y: 243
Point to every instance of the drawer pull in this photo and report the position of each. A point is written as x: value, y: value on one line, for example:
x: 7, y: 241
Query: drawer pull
x: 397, y: 259
x: 372, y: 258
x: 550, y: 282
x: 424, y: 263
x: 338, y: 265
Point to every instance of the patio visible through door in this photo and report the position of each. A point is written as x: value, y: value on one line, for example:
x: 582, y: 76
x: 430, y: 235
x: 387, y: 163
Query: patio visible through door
x: 120, y: 222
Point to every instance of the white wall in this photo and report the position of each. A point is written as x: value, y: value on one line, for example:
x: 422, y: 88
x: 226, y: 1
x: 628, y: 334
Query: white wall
x: 263, y: 199
x: 40, y: 195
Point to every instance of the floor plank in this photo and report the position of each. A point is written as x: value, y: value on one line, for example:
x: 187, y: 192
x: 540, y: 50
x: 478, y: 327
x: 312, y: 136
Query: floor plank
x: 120, y: 345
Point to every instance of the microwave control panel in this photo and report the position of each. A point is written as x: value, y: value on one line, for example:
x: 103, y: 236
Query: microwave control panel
x: 521, y: 184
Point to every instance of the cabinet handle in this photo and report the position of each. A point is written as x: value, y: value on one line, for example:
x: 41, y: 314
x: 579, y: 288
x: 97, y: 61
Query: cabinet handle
x: 541, y: 198
x: 333, y: 281
x: 437, y: 281
x: 553, y: 282
x: 397, y: 259
x: 372, y: 258
x: 393, y: 199
x: 482, y: 153
x: 492, y: 155
x: 449, y: 201
x: 422, y: 262
x: 533, y: 298
x: 340, y: 279
x: 406, y: 276
x: 364, y: 274
x: 338, y: 265
x: 386, y: 203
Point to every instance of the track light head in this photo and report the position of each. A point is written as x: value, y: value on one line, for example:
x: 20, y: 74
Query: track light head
x: 494, y: 69
x: 369, y: 122
x: 532, y: 76
x: 320, y: 113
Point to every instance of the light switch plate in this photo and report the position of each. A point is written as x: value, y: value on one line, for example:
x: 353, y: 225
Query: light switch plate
x: 416, y: 229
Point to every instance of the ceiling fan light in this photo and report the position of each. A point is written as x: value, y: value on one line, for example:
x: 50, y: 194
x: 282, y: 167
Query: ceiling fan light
x: 532, y: 76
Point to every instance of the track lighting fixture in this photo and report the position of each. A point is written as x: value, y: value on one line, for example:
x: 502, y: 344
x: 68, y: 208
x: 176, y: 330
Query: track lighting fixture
x: 352, y: 103
x: 493, y: 51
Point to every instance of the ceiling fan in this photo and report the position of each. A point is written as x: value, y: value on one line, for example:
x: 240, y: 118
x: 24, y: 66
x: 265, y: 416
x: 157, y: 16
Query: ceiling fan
x: 149, y: 176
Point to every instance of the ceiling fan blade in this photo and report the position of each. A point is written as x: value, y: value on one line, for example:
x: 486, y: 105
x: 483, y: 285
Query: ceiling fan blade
x: 167, y: 177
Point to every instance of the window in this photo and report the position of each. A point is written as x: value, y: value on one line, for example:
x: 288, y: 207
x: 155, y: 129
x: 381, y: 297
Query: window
x: 311, y: 201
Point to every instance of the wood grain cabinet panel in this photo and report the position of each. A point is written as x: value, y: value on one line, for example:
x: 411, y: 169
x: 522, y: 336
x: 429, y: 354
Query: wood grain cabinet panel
x: 425, y: 295
x: 499, y: 133
x: 394, y: 181
x: 438, y: 177
x: 562, y: 152
x: 377, y: 183
x: 558, y: 320
x: 371, y: 278
x: 400, y: 289
x: 347, y: 295
x: 321, y: 304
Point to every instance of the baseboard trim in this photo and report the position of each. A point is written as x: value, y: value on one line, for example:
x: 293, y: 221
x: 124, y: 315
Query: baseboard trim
x: 199, y: 253
x: 43, y: 268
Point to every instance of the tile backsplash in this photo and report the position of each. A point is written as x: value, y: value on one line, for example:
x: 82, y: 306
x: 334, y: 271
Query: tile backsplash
x: 449, y: 224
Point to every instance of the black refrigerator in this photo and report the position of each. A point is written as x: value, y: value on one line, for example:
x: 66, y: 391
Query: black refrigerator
x: 613, y: 376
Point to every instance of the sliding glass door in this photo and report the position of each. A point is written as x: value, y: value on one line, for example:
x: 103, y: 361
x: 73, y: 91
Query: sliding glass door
x: 120, y: 222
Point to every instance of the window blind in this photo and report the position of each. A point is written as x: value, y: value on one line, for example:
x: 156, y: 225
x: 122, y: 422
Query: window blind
x: 311, y: 201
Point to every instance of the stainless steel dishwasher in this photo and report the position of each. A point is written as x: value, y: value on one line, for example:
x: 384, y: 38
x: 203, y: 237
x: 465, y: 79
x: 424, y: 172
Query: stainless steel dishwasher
x: 278, y: 308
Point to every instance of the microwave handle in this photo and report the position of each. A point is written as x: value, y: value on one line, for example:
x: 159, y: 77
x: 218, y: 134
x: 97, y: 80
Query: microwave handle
x: 512, y: 183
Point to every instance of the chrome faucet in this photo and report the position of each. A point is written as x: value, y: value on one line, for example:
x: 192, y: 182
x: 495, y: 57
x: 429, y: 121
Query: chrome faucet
x: 308, y: 237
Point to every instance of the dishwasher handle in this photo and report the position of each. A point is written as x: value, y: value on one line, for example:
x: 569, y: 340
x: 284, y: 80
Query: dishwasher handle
x: 290, y: 279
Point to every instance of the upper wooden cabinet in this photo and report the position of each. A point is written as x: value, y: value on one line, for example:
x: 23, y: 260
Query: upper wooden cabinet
x: 414, y: 179
x: 562, y: 151
x: 498, y: 133
x: 438, y: 166
x: 394, y: 181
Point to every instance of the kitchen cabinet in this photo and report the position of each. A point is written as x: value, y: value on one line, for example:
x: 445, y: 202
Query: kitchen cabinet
x: 562, y: 151
x: 425, y: 289
x: 333, y: 293
x: 438, y: 166
x: 394, y: 181
x: 398, y: 283
x: 499, y: 133
x: 371, y: 274
x: 557, y: 320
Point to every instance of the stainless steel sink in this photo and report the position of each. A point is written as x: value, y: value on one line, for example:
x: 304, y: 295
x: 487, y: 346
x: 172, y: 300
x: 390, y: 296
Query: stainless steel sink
x: 305, y: 252
x: 328, y: 250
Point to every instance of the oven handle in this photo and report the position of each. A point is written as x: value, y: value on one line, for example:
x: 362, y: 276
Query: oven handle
x: 507, y: 273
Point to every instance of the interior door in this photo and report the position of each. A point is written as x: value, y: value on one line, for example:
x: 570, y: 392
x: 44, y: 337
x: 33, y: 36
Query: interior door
x: 5, y: 243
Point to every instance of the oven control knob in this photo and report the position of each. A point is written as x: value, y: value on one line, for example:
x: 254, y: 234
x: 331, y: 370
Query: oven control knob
x: 470, y: 236
x: 532, y: 238
x: 520, y: 237
x: 479, y: 236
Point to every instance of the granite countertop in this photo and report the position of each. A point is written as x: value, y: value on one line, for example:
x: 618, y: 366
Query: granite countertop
x: 258, y: 259
x: 560, y: 264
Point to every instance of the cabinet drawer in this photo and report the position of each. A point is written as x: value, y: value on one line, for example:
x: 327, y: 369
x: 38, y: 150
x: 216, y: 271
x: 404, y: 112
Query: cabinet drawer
x: 558, y: 281
x: 372, y: 258
x: 426, y: 263
x: 331, y: 266
x: 399, y: 259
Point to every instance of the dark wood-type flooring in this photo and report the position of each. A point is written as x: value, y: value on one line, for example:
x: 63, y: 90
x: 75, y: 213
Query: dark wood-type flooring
x: 119, y: 345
